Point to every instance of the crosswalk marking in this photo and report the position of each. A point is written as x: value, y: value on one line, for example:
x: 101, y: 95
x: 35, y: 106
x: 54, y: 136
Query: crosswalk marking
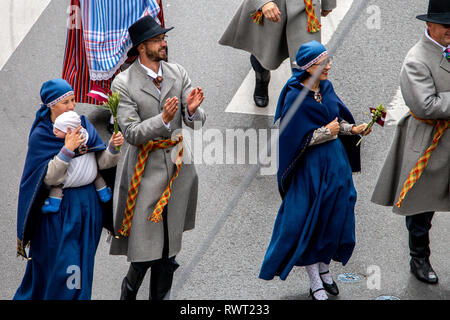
x: 17, y: 17
x: 396, y: 109
x: 242, y: 101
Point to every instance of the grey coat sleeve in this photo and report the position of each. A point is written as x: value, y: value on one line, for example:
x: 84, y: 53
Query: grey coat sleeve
x: 106, y: 159
x: 419, y: 92
x: 328, y: 4
x: 56, y: 172
x: 135, y: 130
x: 258, y: 4
x: 321, y: 135
x: 345, y: 128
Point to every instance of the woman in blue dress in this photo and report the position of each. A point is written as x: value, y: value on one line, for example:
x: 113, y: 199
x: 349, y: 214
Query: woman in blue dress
x: 62, y: 245
x: 317, y: 154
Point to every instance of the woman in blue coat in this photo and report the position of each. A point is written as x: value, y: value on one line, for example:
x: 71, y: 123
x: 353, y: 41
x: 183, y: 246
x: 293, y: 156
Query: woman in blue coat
x: 62, y: 245
x: 317, y: 154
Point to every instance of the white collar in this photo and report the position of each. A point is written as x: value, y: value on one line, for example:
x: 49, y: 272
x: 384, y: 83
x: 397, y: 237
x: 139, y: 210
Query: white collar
x: 437, y: 43
x: 150, y: 72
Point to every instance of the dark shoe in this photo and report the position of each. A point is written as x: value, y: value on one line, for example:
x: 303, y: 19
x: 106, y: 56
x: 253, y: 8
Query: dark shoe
x: 311, y: 293
x: 423, y: 271
x: 261, y: 93
x: 330, y: 288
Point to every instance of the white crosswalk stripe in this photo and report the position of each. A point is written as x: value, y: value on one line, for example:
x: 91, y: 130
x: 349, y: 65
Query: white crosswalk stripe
x: 396, y: 109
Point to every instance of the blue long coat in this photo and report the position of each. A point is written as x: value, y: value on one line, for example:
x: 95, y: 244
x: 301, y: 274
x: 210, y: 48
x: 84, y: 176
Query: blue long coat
x: 315, y: 222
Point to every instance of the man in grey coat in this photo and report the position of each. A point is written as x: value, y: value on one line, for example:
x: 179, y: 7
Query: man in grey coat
x: 156, y: 97
x: 277, y: 36
x: 425, y: 86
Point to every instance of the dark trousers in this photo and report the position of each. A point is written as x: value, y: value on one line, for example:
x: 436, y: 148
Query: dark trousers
x: 418, y: 226
x: 162, y: 270
x: 256, y: 65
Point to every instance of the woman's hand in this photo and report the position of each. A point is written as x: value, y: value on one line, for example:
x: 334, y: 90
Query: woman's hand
x: 73, y: 139
x: 117, y: 139
x: 271, y: 12
x: 333, y: 126
x: 360, y: 129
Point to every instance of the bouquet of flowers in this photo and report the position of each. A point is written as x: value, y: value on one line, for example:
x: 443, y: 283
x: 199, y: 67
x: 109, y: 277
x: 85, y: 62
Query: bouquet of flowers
x: 257, y: 17
x: 110, y: 102
x: 378, y: 116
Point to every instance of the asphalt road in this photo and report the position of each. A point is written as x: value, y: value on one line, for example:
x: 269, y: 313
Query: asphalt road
x: 365, y: 73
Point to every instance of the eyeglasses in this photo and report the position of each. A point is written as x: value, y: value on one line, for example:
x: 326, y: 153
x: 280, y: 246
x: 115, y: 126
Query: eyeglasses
x: 157, y: 40
x: 328, y: 61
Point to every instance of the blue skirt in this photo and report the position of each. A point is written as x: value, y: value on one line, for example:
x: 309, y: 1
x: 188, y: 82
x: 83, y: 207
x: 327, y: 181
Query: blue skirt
x: 316, y: 220
x: 63, y: 249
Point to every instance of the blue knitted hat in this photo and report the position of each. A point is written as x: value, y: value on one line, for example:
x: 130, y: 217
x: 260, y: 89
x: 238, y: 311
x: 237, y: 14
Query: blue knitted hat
x: 54, y: 91
x: 309, y: 54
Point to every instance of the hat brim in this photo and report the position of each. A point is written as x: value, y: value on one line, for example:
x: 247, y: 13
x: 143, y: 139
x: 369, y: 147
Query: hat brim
x: 148, y: 35
x: 441, y: 18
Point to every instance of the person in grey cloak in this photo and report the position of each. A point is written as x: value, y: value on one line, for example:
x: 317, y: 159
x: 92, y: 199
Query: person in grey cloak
x: 272, y: 31
x: 414, y: 178
x: 157, y: 196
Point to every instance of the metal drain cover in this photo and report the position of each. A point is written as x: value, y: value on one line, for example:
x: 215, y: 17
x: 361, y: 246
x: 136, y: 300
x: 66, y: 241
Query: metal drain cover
x: 349, y: 277
x: 387, y: 298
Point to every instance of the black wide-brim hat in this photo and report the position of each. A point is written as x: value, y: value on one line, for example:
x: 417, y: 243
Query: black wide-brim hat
x: 438, y: 12
x: 143, y: 29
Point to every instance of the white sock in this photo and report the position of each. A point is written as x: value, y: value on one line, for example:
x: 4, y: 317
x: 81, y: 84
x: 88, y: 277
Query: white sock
x: 326, y: 277
x: 315, y: 282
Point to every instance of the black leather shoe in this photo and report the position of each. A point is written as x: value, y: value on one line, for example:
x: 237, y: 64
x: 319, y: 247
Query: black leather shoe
x: 330, y: 288
x: 261, y: 93
x: 311, y: 293
x: 422, y: 270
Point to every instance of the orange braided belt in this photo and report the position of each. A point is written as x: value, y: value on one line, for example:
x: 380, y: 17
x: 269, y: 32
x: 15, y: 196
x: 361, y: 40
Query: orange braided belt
x: 313, y: 23
x: 133, y: 190
x: 440, y: 127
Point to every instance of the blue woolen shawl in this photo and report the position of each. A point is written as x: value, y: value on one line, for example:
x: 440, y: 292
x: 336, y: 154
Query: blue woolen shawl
x: 43, y: 145
x: 311, y: 115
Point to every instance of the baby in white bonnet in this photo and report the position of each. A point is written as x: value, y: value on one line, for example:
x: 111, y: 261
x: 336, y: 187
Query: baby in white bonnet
x: 64, y: 121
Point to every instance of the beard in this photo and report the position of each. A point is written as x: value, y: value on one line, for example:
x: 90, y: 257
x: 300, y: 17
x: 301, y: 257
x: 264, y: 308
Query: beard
x: 156, y: 55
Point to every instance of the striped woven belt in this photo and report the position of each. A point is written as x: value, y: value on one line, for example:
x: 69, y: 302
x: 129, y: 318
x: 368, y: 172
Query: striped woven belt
x: 440, y: 127
x: 133, y: 190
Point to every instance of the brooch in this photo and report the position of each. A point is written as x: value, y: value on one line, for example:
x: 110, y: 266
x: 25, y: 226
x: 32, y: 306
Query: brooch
x: 83, y: 149
x: 318, y: 96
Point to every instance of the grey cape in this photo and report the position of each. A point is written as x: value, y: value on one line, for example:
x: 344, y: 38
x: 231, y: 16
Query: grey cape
x: 140, y: 118
x: 425, y: 86
x: 271, y: 43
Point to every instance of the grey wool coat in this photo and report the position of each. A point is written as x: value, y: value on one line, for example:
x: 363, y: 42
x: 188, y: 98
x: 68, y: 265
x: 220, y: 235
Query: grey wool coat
x: 271, y: 43
x: 140, y: 118
x: 425, y: 86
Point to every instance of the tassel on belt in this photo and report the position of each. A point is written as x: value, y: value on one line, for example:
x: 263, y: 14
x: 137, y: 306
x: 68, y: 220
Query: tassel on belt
x: 440, y: 127
x: 133, y: 190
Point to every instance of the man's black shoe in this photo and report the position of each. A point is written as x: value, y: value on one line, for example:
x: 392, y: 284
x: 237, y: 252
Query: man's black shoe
x: 423, y: 271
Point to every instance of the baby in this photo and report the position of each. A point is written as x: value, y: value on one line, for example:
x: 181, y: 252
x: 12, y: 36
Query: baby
x: 72, y: 120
